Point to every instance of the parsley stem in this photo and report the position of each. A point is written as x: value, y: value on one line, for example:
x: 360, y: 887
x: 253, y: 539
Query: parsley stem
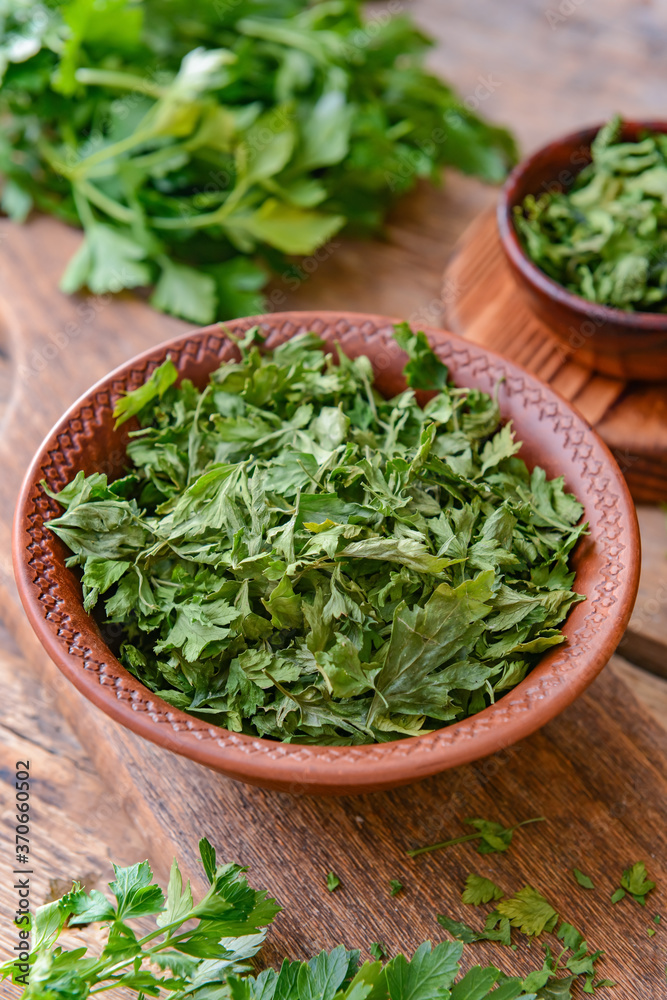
x: 138, y: 138
x: 119, y: 81
x: 444, y: 843
x: 466, y: 838
x: 121, y: 213
x: 205, y: 218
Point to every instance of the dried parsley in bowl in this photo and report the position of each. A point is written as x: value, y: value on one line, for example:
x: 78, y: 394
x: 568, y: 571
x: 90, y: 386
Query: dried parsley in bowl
x: 605, y: 238
x: 294, y: 556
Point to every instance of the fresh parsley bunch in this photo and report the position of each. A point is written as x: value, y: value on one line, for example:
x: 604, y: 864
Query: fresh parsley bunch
x: 199, y: 141
x: 606, y: 237
x: 294, y: 556
x: 199, y: 952
x: 189, y: 952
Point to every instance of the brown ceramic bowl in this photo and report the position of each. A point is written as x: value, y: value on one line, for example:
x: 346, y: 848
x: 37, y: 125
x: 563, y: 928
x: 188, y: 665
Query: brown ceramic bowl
x: 623, y: 344
x: 607, y: 564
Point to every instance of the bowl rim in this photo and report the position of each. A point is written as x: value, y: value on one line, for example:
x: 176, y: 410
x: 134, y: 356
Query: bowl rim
x: 627, y: 322
x: 86, y: 660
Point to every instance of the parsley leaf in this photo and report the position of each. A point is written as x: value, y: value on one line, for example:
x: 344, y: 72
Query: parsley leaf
x: 332, y: 881
x: 584, y: 880
x: 479, y: 889
x: 395, y: 887
x: 496, y: 928
x: 636, y: 883
x: 529, y: 911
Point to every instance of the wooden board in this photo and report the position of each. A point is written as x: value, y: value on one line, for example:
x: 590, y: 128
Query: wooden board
x: 484, y: 304
x: 594, y: 820
x: 598, y: 771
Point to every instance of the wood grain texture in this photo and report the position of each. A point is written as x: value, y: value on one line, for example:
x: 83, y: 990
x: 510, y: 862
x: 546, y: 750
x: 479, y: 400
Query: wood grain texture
x: 598, y: 771
x: 568, y: 772
x: 80, y: 821
x: 646, y: 640
x: 485, y: 305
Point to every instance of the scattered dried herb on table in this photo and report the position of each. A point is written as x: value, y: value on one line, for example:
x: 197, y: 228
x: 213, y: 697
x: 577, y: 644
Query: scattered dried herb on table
x: 291, y: 555
x: 606, y: 237
x: 200, y: 145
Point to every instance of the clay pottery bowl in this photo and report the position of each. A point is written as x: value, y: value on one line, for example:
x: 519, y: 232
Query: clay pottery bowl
x: 627, y: 345
x: 553, y: 435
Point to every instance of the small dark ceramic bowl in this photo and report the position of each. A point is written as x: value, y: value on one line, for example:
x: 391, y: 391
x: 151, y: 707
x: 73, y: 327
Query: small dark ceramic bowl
x: 623, y: 344
x: 553, y: 436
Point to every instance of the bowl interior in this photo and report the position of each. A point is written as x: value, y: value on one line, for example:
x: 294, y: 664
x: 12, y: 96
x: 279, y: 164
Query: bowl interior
x: 553, y: 435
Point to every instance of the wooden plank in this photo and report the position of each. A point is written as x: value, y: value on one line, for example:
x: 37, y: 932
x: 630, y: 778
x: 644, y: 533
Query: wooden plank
x: 594, y: 821
x: 598, y: 771
x: 649, y: 618
x: 291, y: 842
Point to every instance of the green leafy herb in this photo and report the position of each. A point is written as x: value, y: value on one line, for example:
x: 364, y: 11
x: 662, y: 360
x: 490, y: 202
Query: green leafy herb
x: 584, y: 880
x: 201, y: 950
x: 496, y: 928
x: 479, y: 889
x: 634, y: 882
x: 493, y: 837
x: 332, y: 881
x: 198, y: 145
x: 193, y: 945
x: 529, y: 911
x: 533, y: 915
x: 293, y: 556
x: 605, y: 238
x: 395, y: 887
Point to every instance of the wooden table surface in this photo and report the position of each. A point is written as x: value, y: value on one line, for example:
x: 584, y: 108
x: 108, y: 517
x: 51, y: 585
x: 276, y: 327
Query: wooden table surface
x: 598, y: 772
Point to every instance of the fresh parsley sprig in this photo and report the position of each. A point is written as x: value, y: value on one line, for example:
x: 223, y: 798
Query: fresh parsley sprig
x: 199, y: 951
x: 200, y: 145
x: 493, y: 837
x: 192, y: 947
